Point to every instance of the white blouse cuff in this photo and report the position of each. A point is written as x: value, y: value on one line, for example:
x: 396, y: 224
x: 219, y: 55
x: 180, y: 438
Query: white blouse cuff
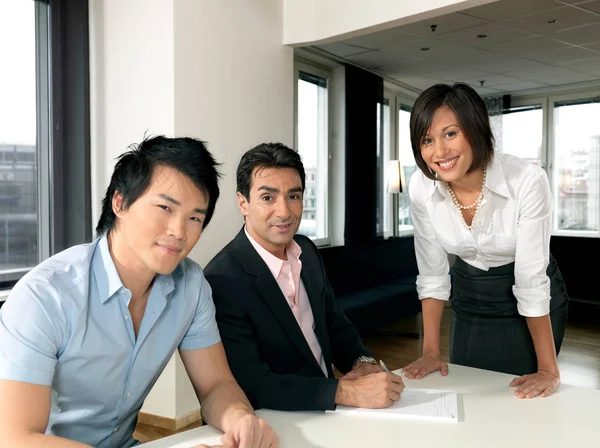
x: 533, y: 302
x: 433, y: 287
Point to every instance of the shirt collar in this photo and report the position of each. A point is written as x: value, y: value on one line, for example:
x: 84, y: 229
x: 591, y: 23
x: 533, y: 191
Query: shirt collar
x: 108, y: 278
x: 274, y: 264
x: 494, y: 180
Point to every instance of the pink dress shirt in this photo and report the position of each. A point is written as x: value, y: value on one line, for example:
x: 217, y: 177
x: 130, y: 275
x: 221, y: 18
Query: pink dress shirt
x: 287, y: 274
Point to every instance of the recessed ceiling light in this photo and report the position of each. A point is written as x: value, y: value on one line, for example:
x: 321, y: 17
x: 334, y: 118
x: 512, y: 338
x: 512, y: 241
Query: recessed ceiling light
x: 424, y: 48
x: 482, y: 36
x: 551, y: 21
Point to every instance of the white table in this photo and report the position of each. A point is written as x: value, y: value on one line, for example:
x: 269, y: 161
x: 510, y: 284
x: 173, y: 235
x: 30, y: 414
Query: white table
x: 489, y: 416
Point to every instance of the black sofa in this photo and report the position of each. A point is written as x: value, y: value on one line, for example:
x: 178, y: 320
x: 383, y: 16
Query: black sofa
x: 374, y: 282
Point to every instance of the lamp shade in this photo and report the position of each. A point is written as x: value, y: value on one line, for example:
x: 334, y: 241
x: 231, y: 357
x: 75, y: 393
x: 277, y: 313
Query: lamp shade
x: 394, y: 184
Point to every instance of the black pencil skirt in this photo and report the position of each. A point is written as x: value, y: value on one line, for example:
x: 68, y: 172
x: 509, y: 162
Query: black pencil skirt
x: 487, y: 332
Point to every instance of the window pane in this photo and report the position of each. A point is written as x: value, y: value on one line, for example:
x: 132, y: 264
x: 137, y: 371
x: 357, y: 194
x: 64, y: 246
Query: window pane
x: 383, y: 158
x: 576, y: 165
x: 522, y: 132
x: 313, y: 148
x: 18, y: 152
x: 408, y: 164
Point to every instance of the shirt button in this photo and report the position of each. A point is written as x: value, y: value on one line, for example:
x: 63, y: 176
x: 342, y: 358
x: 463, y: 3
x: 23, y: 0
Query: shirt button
x: 126, y: 317
x: 153, y: 312
x: 128, y: 394
x: 116, y: 429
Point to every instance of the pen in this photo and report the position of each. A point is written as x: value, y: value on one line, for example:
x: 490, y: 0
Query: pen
x: 383, y: 366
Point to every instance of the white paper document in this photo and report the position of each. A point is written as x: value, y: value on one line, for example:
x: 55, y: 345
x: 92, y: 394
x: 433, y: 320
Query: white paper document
x: 430, y: 404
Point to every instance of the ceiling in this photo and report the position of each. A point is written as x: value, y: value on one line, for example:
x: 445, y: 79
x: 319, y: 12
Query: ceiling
x: 501, y: 47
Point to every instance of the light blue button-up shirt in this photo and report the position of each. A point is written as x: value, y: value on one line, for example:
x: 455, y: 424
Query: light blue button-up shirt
x: 66, y: 324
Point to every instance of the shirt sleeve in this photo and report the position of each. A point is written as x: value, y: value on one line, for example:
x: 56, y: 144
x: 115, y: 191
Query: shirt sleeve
x: 32, y: 331
x: 203, y: 331
x: 532, y: 285
x: 433, y: 280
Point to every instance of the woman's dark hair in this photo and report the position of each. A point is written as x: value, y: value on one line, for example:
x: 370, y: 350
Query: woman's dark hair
x: 266, y: 155
x: 134, y: 169
x: 470, y: 112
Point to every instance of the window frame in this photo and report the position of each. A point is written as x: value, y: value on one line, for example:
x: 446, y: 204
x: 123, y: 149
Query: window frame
x: 303, y: 66
x: 552, y: 99
x: 525, y: 101
x: 401, y: 100
x: 388, y: 202
x: 62, y: 129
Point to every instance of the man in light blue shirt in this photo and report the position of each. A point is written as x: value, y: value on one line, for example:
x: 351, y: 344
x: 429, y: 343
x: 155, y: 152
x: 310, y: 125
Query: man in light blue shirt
x: 85, y: 334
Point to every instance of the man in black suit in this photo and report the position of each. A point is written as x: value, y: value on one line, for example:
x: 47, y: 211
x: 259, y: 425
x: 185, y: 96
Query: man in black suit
x: 279, y: 321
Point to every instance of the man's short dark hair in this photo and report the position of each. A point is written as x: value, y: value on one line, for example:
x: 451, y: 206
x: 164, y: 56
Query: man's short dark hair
x: 266, y: 155
x: 134, y: 169
x: 470, y: 112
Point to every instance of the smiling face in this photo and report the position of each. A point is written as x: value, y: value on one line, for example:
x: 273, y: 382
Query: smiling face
x: 274, y: 209
x: 445, y: 147
x: 155, y: 233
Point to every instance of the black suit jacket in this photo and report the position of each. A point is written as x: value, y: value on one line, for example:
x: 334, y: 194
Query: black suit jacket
x: 265, y: 347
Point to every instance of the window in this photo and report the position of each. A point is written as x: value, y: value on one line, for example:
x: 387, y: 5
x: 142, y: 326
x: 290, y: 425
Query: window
x: 576, y: 166
x: 383, y: 158
x: 312, y: 142
x: 44, y: 145
x: 20, y: 148
x: 522, y: 133
x: 408, y: 165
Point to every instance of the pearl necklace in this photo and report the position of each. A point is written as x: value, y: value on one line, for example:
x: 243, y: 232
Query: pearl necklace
x: 475, y: 205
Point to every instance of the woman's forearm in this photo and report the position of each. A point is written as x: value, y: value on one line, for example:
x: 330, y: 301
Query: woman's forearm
x: 543, y: 341
x: 432, y: 318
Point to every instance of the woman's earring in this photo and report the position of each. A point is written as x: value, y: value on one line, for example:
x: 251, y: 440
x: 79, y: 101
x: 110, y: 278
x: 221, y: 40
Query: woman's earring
x: 433, y: 173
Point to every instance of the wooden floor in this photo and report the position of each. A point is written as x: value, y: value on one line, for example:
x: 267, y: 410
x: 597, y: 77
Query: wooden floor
x: 579, y: 359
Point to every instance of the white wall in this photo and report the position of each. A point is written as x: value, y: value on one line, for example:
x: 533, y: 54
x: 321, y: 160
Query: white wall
x: 233, y: 88
x: 312, y: 21
x: 131, y: 80
x: 214, y: 70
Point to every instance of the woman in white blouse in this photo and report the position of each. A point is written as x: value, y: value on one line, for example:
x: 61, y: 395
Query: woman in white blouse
x: 493, y: 212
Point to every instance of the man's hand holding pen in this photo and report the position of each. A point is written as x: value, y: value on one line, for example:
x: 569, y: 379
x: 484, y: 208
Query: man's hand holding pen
x: 376, y: 388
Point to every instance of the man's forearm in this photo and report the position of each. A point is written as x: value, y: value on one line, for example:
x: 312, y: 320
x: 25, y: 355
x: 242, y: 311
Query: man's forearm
x: 34, y: 440
x: 224, y: 405
x: 432, y: 318
x: 540, y: 329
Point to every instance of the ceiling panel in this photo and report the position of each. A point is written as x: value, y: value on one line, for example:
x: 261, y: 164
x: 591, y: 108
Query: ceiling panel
x: 493, y: 80
x: 578, y: 36
x: 522, y: 85
x: 572, y: 78
x: 563, y: 55
x: 591, y: 6
x: 518, y: 47
x: 493, y: 34
x: 520, y: 52
x: 573, y: 2
x: 342, y: 50
x: 536, y: 70
x: 591, y: 66
x: 380, y: 39
x: 508, y: 9
x: 595, y: 46
x: 459, y: 74
x: 501, y: 65
x: 444, y: 24
x: 420, y: 82
x: 565, y: 17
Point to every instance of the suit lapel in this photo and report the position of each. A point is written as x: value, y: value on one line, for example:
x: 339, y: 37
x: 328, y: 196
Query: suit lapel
x: 309, y: 276
x: 269, y: 290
